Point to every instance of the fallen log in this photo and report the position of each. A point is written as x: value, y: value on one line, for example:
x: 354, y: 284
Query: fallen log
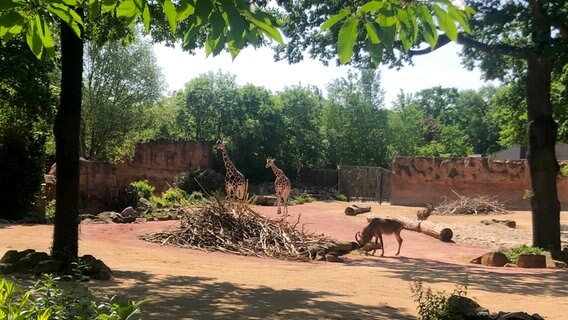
x: 354, y: 210
x: 429, y: 228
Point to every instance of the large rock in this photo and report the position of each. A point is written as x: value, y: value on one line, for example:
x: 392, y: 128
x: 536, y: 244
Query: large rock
x: 494, y: 259
x: 531, y: 261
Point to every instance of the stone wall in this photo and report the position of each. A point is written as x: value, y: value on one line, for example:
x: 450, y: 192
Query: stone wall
x: 417, y: 180
x: 159, y: 162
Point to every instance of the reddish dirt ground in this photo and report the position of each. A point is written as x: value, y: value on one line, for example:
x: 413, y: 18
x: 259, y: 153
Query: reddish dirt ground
x: 191, y: 284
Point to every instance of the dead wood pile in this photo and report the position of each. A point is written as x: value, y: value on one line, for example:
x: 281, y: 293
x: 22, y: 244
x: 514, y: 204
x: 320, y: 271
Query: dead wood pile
x: 234, y: 227
x: 480, y: 205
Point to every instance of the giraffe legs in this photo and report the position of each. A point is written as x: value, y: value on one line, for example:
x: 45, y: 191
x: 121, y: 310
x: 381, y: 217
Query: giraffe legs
x: 278, y: 203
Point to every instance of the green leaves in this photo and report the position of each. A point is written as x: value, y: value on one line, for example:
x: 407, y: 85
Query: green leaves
x: 346, y: 39
x: 68, y: 15
x: 11, y: 4
x: 390, y: 25
x: 17, y: 16
x: 446, y: 23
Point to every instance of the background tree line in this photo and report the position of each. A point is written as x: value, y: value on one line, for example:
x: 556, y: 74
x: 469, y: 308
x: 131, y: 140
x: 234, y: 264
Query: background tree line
x: 124, y: 103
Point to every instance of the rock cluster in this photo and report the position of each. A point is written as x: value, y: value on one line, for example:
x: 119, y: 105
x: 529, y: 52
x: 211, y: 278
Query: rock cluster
x: 465, y: 308
x: 35, y: 262
x: 498, y: 259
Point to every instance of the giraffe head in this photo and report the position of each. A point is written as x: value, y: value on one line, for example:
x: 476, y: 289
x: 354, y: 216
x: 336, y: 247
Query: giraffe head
x: 269, y: 162
x: 219, y: 145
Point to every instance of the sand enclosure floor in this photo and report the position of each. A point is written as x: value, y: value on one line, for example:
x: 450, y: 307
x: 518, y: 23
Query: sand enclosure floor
x: 192, y: 284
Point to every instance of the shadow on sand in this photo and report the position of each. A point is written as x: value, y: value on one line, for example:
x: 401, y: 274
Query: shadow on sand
x: 184, y: 297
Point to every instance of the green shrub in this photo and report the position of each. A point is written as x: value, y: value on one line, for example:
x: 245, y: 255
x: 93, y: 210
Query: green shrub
x: 341, y: 197
x: 514, y: 253
x: 563, y: 173
x: 174, y: 196
x: 208, y: 181
x: 50, y: 211
x: 196, y: 197
x: 437, y: 306
x: 45, y: 300
x: 301, y: 199
x: 145, y: 190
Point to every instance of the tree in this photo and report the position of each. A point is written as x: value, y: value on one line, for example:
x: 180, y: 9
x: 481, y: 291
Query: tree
x: 27, y: 108
x: 528, y: 40
x: 354, y: 121
x: 211, y: 107
x: 303, y: 147
x: 406, y: 127
x: 121, y: 83
x: 226, y: 24
x: 504, y: 38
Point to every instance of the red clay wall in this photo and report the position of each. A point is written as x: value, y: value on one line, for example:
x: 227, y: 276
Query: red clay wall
x: 417, y: 180
x: 159, y: 162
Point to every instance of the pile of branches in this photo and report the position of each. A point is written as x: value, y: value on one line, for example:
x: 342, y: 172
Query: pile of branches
x: 480, y: 205
x: 233, y: 227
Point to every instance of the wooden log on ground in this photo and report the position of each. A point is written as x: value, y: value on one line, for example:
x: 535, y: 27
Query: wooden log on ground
x: 429, y: 228
x: 354, y: 210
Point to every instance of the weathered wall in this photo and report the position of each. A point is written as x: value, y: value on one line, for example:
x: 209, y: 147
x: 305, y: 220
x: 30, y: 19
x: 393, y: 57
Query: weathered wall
x: 417, y: 180
x: 159, y: 162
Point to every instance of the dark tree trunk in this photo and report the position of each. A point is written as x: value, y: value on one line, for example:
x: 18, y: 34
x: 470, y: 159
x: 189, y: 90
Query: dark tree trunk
x: 66, y: 129
x: 541, y: 157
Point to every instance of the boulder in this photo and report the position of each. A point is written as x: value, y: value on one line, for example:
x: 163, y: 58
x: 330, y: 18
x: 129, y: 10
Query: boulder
x: 531, y: 261
x: 494, y: 259
x: 48, y: 266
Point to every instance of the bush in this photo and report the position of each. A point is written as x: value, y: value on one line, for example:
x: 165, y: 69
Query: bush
x: 174, y: 196
x: 128, y: 197
x: 436, y: 306
x: 145, y: 190
x: 45, y: 300
x: 21, y: 172
x: 514, y: 253
x: 301, y: 199
x: 341, y: 197
x: 207, y: 181
x: 563, y: 173
x: 50, y: 211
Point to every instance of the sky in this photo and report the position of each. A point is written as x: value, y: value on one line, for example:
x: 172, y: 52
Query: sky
x: 257, y: 66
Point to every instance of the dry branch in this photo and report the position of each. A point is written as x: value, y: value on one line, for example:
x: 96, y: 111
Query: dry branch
x: 480, y: 205
x: 234, y: 227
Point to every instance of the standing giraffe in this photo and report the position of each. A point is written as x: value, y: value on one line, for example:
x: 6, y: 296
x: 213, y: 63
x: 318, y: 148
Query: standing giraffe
x: 235, y: 183
x: 282, y: 185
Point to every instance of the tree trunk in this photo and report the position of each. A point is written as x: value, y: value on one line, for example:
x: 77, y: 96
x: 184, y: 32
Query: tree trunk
x: 66, y: 129
x: 429, y: 228
x: 355, y: 210
x: 541, y: 157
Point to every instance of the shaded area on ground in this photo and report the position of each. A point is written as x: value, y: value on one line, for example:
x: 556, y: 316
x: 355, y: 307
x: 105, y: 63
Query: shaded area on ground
x: 206, y: 298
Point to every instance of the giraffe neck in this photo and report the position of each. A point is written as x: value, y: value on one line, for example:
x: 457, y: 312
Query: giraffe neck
x: 229, y: 166
x: 277, y: 172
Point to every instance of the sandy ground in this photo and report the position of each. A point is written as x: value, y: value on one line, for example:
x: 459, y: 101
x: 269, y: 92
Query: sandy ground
x: 191, y: 284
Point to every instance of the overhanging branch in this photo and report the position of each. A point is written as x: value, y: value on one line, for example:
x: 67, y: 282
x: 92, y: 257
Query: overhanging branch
x: 468, y: 42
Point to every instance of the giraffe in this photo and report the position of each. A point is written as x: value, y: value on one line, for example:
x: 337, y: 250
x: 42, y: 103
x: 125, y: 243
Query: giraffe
x: 235, y: 183
x: 282, y: 186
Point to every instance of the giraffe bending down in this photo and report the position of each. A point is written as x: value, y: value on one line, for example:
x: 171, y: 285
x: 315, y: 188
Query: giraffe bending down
x: 282, y: 186
x: 235, y: 183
